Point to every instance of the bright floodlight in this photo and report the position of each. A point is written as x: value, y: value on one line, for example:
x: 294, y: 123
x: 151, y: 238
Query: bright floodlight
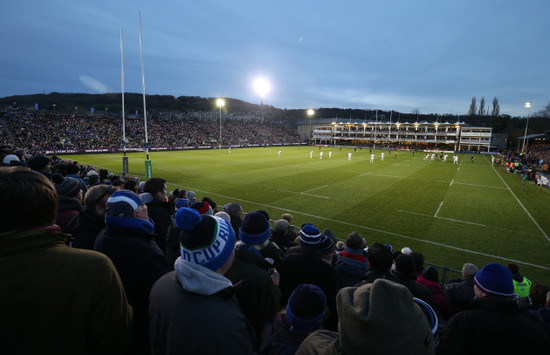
x: 220, y: 102
x: 528, y: 104
x: 262, y: 86
x: 310, y: 112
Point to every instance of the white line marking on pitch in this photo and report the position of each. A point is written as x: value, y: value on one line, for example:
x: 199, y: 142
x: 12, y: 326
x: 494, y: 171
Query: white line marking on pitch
x: 447, y: 219
x: 303, y: 193
x: 430, y: 180
x: 451, y: 184
x: 436, y: 212
x: 374, y: 229
x: 316, y: 188
x: 521, y: 204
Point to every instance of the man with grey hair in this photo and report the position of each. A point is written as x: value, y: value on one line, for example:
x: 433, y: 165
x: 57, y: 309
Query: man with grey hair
x: 235, y: 211
x: 280, y: 233
x: 461, y: 294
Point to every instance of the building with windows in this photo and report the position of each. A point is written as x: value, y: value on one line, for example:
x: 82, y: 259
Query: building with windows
x: 418, y: 135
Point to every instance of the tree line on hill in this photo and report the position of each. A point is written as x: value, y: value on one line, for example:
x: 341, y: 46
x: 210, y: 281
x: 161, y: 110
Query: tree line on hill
x: 161, y: 105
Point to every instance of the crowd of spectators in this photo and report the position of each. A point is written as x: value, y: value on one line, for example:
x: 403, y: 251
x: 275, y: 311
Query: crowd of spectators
x: 141, y: 270
x: 45, y: 132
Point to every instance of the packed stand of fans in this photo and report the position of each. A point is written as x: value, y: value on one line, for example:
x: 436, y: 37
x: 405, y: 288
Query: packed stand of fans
x: 45, y: 132
x: 92, y: 262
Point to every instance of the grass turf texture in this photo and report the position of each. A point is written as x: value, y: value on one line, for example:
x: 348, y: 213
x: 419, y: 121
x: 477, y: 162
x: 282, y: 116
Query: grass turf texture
x: 471, y: 212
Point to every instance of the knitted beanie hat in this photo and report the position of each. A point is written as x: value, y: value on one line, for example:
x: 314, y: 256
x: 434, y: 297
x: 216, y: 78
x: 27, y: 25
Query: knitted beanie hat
x: 123, y: 203
x: 205, y: 240
x: 66, y: 186
x: 306, y: 308
x: 310, y: 235
x: 202, y: 207
x: 496, y: 280
x: 38, y: 162
x: 469, y: 270
x: 254, y: 229
x: 382, y: 318
x: 327, y: 244
x: 182, y: 202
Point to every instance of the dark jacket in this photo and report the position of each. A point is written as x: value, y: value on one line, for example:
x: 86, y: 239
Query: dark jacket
x: 305, y: 265
x: 185, y: 322
x: 351, y: 266
x: 85, y: 227
x: 139, y: 262
x: 59, y: 300
x: 173, y: 245
x: 495, y: 326
x: 68, y: 209
x: 159, y: 212
x: 258, y: 297
x: 372, y: 275
x: 278, y: 339
x: 460, y: 295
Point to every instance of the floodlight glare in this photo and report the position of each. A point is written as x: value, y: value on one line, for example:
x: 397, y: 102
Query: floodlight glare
x: 220, y: 102
x: 528, y: 104
x: 262, y: 86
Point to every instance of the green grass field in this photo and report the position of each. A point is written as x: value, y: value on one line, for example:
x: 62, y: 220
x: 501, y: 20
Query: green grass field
x: 471, y: 212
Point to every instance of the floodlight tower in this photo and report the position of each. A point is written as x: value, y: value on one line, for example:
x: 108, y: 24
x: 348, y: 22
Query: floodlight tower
x: 220, y: 103
x: 262, y: 87
x: 310, y: 113
x: 528, y: 106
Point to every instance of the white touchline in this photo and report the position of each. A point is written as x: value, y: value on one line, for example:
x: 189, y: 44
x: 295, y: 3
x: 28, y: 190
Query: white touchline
x: 521, y: 204
x: 375, y: 230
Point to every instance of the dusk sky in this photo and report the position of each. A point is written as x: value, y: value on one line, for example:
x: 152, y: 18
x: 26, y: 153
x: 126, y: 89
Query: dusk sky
x: 433, y: 56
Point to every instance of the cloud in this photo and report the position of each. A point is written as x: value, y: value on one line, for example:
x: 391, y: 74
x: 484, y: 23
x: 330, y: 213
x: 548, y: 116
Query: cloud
x: 94, y: 84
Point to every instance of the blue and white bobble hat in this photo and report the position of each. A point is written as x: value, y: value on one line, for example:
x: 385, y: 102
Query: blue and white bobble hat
x: 254, y: 229
x: 310, y: 235
x: 205, y: 240
x: 123, y: 203
x: 496, y: 280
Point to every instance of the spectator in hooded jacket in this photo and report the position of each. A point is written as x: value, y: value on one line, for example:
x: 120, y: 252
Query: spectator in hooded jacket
x: 428, y: 277
x: 193, y: 309
x: 375, y: 318
x: 53, y: 299
x: 129, y: 240
x: 496, y: 325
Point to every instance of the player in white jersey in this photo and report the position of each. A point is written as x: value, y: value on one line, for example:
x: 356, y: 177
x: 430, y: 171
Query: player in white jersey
x: 382, y: 156
x: 349, y: 156
x: 330, y: 154
x: 279, y: 153
x: 372, y: 158
x: 311, y: 154
x: 320, y: 155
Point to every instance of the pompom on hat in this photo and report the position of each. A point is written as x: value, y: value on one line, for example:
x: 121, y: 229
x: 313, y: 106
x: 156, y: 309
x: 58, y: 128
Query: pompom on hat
x: 205, y: 240
x: 306, y: 308
x: 310, y: 235
x: 202, y: 207
x: 66, y: 186
x: 254, y: 228
x: 496, y: 280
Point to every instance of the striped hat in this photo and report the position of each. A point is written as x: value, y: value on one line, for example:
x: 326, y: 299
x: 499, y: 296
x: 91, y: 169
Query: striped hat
x: 310, y: 235
x: 123, y: 203
x: 205, y: 240
x: 496, y: 280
